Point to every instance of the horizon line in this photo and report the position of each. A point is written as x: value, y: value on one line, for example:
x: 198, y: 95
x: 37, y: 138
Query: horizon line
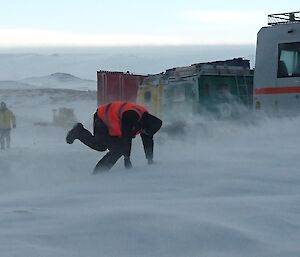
x: 124, y: 46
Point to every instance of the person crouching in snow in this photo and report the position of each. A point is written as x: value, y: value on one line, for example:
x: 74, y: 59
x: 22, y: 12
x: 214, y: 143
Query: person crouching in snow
x: 115, y: 125
x: 7, y: 121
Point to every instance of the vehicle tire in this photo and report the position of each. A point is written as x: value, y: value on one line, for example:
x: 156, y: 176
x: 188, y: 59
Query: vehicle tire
x: 225, y: 110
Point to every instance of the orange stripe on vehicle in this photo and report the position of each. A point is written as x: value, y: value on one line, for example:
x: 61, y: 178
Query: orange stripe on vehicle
x: 277, y: 90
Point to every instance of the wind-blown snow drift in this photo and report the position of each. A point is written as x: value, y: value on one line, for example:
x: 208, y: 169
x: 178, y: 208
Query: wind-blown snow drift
x: 223, y: 189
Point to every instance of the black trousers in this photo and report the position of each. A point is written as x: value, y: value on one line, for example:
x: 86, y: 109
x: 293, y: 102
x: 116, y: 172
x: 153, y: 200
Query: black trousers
x: 102, y: 141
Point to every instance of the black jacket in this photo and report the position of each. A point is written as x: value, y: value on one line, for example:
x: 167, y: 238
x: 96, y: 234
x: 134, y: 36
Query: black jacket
x: 148, y: 125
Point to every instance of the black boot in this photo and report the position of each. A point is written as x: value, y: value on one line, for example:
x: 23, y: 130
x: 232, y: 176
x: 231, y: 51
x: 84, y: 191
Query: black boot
x: 107, y: 162
x: 74, y: 133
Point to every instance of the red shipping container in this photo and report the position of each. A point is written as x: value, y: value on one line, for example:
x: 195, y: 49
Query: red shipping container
x: 115, y: 86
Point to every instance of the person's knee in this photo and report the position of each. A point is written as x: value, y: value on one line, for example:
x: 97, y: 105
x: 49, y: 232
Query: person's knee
x: 101, y: 143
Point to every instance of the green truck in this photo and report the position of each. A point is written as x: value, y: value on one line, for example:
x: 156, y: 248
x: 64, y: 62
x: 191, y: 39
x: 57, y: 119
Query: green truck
x: 222, y: 89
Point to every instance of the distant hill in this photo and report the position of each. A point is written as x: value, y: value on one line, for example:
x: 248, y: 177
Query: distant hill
x: 61, y: 81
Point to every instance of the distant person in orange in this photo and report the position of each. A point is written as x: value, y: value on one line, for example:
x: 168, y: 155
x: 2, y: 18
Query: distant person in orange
x: 7, y: 121
x: 115, y: 125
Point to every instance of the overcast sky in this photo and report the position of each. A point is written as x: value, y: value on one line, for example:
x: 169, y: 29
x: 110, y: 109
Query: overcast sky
x: 134, y: 22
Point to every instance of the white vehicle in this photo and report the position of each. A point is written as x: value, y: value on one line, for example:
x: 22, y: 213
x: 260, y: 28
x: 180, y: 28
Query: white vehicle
x: 277, y: 66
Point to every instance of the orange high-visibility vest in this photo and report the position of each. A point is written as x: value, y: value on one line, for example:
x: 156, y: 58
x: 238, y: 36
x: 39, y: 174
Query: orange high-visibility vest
x: 111, y: 115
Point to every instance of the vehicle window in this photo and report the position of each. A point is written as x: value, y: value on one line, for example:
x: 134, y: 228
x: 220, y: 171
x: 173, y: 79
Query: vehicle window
x: 147, y: 97
x: 223, y: 91
x: 179, y: 94
x: 289, y: 60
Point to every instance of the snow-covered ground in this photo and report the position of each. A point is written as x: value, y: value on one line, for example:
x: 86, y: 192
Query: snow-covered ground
x: 224, y: 189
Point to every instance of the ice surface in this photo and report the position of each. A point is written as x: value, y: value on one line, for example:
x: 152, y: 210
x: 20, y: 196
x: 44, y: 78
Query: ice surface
x: 222, y: 189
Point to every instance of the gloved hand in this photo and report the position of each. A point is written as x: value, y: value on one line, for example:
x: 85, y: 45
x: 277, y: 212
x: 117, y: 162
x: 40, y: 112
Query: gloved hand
x: 150, y: 161
x: 14, y: 126
x: 127, y: 163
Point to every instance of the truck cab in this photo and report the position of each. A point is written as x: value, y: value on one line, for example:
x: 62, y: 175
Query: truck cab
x: 277, y: 66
